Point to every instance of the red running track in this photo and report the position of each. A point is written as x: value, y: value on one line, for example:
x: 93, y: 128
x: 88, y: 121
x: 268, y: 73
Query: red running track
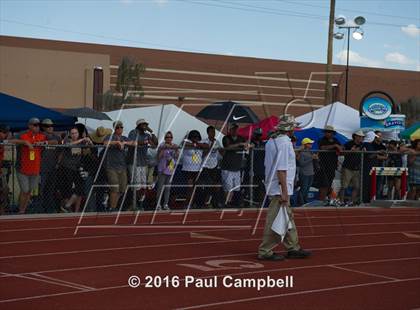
x: 363, y: 258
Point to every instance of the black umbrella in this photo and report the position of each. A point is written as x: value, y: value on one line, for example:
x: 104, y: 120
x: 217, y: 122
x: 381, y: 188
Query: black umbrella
x: 230, y: 111
x: 87, y: 113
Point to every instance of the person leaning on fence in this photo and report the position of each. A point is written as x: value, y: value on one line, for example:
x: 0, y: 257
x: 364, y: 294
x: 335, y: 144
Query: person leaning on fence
x: 71, y: 182
x: 49, y: 167
x: 280, y: 171
x: 350, y: 172
x: 232, y: 161
x: 168, y: 153
x: 394, y: 160
x: 4, y: 188
x: 376, y: 159
x: 306, y: 169
x: 414, y: 170
x: 211, y: 172
x: 116, y: 163
x: 29, y: 161
x: 258, y: 146
x: 192, y: 159
x: 328, y: 161
x: 140, y: 138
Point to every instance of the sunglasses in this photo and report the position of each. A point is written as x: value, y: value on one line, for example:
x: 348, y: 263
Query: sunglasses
x: 119, y: 127
x: 35, y: 125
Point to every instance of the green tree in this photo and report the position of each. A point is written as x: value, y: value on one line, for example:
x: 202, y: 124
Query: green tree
x: 129, y: 78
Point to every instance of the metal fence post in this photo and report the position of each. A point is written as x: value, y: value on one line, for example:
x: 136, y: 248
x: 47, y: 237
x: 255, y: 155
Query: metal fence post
x: 251, y: 179
x: 361, y: 176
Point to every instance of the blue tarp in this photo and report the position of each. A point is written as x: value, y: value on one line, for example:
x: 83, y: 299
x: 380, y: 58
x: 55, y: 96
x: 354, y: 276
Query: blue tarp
x: 16, y: 112
x: 315, y: 134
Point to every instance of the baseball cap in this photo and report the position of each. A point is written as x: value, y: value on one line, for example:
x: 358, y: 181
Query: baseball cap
x: 141, y: 121
x: 47, y: 121
x: 34, y: 121
x: 329, y: 128
x: 117, y: 124
x: 307, y: 141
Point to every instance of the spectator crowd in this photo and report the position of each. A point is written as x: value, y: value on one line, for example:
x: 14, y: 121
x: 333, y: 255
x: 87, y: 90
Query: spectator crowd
x: 107, y: 171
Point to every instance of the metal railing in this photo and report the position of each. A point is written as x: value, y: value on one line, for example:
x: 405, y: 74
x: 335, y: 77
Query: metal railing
x: 89, y: 178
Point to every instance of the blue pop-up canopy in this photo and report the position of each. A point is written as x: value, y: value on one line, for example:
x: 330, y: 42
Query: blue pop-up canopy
x: 315, y: 134
x: 16, y: 113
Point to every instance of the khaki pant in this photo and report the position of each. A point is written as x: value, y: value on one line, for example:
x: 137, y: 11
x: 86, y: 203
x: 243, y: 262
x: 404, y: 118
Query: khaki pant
x: 270, y: 238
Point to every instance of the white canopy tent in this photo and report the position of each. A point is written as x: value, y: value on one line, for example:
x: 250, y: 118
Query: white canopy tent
x: 161, y: 118
x: 343, y: 118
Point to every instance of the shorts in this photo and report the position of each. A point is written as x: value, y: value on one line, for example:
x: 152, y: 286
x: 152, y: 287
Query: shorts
x: 350, y: 178
x: 117, y: 179
x: 210, y: 177
x: 138, y: 176
x: 231, y: 180
x: 27, y: 183
x: 70, y: 182
x: 325, y: 176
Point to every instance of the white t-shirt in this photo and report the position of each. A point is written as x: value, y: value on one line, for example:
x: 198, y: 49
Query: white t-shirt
x: 211, y: 160
x: 192, y: 159
x: 279, y: 156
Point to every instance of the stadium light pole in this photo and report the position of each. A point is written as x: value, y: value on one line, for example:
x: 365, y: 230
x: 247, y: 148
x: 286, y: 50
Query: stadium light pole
x: 356, y: 24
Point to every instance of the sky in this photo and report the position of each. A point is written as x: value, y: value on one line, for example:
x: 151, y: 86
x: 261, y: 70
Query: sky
x: 274, y: 29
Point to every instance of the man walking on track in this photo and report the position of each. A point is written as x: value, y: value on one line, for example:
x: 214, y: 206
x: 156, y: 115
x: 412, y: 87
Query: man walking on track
x: 280, y: 171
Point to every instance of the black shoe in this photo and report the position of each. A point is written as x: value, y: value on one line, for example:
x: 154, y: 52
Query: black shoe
x: 298, y: 254
x: 273, y: 257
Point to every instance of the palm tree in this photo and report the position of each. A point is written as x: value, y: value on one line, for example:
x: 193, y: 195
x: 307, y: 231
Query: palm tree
x: 129, y: 74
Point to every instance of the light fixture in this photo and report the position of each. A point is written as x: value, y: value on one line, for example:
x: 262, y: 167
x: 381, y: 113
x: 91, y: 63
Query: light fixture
x: 359, y: 20
x: 338, y: 35
x: 355, y: 26
x: 358, y: 34
x: 340, y: 20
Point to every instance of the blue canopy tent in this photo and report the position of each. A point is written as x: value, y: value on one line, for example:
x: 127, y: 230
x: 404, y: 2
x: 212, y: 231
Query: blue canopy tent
x: 315, y: 134
x: 17, y: 112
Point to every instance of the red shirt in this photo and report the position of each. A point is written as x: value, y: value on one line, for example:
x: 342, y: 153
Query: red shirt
x: 30, y: 160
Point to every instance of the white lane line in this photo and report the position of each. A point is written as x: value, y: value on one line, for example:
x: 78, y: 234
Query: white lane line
x: 74, y: 217
x: 200, y: 221
x: 187, y: 226
x: 363, y: 272
x: 81, y: 286
x: 111, y: 236
x: 219, y: 275
x: 335, y: 288
x: 30, y: 277
x: 215, y: 256
x: 192, y: 234
x: 37, y: 229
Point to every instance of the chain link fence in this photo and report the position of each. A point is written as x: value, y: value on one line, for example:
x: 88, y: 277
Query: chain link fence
x: 94, y: 178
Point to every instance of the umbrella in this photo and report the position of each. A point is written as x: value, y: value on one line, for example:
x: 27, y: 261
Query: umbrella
x: 266, y: 125
x: 87, y: 113
x: 315, y: 134
x: 16, y: 112
x: 412, y: 132
x: 415, y: 135
x: 230, y: 111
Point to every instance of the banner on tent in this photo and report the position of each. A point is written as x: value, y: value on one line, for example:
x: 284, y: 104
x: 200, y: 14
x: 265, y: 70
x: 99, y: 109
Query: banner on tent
x: 395, y: 122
